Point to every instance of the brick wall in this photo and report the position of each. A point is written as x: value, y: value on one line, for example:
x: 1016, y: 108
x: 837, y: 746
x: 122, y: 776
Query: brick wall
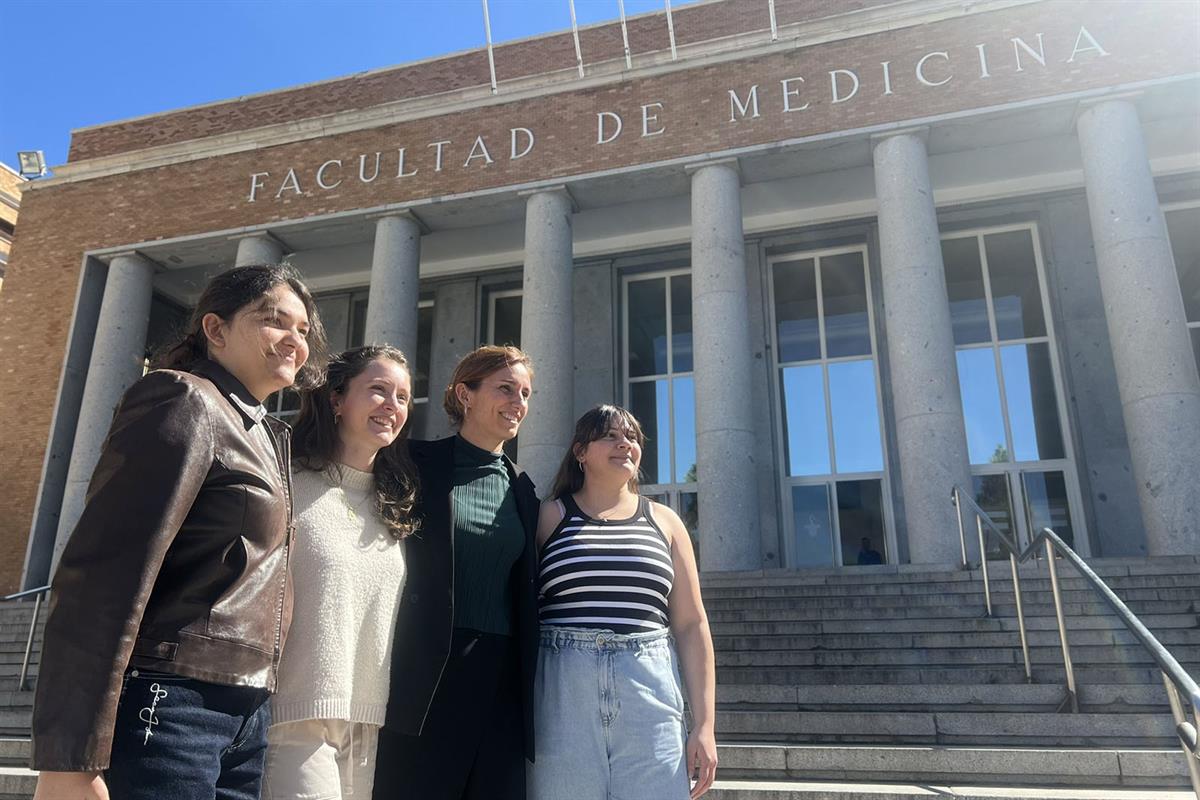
x: 10, y: 191
x: 60, y: 222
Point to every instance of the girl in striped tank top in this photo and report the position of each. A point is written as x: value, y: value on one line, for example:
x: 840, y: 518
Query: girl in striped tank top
x: 617, y: 589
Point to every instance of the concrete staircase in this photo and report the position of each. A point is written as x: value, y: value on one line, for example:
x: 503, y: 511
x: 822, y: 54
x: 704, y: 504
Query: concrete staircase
x: 886, y: 683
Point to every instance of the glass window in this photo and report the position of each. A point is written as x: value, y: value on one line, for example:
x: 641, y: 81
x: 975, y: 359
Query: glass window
x: 1016, y: 293
x: 681, y: 323
x: 1183, y: 228
x: 844, y: 304
x: 424, y: 347
x: 830, y: 416
x: 646, y: 330
x: 1032, y: 406
x: 856, y: 434
x: 993, y: 496
x: 860, y: 522
x: 505, y: 319
x: 812, y: 525
x: 1046, y: 504
x: 984, y: 419
x: 796, y: 321
x: 335, y: 316
x: 649, y: 402
x: 964, y: 287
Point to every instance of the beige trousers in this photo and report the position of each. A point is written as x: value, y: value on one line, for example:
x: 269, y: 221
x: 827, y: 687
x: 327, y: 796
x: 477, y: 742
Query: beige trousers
x: 320, y: 759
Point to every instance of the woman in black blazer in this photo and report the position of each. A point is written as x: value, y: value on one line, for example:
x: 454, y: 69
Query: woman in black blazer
x: 460, y: 715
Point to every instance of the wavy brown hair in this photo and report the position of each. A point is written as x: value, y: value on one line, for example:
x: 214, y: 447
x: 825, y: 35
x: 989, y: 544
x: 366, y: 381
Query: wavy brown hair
x: 315, y: 439
x: 591, y: 426
x: 474, y: 367
x: 226, y: 295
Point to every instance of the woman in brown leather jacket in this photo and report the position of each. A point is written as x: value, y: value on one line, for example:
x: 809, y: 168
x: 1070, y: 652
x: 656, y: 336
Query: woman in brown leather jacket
x: 171, y: 600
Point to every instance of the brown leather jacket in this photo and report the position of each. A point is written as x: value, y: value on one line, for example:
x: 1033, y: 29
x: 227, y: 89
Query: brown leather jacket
x: 179, y: 562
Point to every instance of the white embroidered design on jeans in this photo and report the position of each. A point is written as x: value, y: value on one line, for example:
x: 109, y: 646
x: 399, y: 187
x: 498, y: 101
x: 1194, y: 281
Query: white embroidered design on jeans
x: 147, y: 714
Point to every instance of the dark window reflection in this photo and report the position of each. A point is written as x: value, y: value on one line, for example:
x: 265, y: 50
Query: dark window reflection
x: 648, y: 402
x: 1032, y: 403
x: 647, y: 327
x: 813, y: 526
x: 796, y: 310
x: 992, y: 495
x: 1183, y: 228
x: 689, y: 512
x: 424, y: 348
x: 964, y: 286
x: 860, y: 522
x: 335, y: 316
x: 681, y: 323
x: 506, y: 327
x: 1196, y: 346
x: 1016, y: 293
x: 358, y: 323
x: 844, y: 292
x: 1046, y: 504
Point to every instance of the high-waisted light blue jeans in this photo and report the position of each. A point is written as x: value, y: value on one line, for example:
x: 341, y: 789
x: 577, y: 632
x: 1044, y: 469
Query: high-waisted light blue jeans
x: 608, y: 717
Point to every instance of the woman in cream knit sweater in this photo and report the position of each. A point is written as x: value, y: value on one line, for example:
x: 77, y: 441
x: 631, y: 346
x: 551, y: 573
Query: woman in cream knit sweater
x: 353, y: 493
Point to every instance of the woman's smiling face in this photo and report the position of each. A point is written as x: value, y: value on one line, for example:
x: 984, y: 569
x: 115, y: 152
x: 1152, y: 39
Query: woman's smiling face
x: 494, y: 410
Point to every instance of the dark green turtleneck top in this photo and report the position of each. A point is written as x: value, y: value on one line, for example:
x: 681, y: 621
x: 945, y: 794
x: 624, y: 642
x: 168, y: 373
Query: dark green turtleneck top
x: 488, y: 540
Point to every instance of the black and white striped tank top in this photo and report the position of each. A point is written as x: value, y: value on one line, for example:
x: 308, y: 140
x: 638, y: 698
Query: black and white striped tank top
x: 613, y: 574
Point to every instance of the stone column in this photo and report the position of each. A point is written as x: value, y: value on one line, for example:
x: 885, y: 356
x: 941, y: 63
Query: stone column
x: 392, y: 305
x: 721, y: 356
x: 547, y: 325
x: 1156, y: 374
x: 931, y: 438
x: 118, y: 355
x: 257, y: 248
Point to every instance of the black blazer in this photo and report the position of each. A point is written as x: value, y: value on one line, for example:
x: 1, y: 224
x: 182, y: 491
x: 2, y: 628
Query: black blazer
x: 425, y: 619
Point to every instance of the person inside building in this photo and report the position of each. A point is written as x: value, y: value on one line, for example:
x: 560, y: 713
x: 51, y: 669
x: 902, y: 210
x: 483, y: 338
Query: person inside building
x: 354, y: 492
x: 868, y: 555
x: 171, y: 600
x: 459, y: 722
x: 621, y: 613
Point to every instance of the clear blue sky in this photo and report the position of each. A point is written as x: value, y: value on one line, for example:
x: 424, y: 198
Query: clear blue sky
x: 87, y: 62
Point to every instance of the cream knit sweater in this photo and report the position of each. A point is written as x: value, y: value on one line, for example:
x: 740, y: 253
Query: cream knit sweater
x: 348, y: 573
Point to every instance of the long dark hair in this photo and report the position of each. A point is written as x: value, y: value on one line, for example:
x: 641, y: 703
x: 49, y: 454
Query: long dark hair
x: 226, y: 295
x: 315, y: 438
x: 591, y: 426
x: 474, y: 367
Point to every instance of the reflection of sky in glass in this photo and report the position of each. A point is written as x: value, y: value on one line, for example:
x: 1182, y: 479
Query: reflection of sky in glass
x: 1032, y: 410
x: 804, y: 418
x: 685, y: 428
x: 855, y: 416
x: 981, y: 404
x: 812, y: 526
x: 662, y: 409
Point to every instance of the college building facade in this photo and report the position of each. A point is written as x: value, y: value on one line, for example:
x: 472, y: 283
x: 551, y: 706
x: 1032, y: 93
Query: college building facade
x: 837, y: 257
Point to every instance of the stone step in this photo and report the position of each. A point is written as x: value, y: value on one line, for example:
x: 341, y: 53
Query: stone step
x: 1119, y: 585
x: 1156, y: 622
x: 1007, y: 766
x: 15, y: 722
x: 929, y: 675
x: 1170, y: 638
x: 1140, y: 600
x: 814, y: 790
x: 1128, y: 655
x: 949, y: 727
x: 783, y: 611
x: 15, y: 700
x: 15, y: 751
x: 998, y: 697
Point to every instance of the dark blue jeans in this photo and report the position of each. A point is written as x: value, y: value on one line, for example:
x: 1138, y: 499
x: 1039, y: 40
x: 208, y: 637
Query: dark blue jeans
x: 184, y: 739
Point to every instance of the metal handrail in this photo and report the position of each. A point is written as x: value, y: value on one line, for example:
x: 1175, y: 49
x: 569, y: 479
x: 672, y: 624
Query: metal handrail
x: 1179, y: 685
x: 37, y: 594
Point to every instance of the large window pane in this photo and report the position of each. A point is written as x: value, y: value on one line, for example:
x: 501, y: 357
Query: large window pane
x: 1196, y: 346
x: 844, y: 292
x: 424, y: 348
x: 1183, y: 228
x: 649, y: 402
x: 813, y: 526
x: 1032, y: 405
x: 804, y: 422
x: 986, y: 442
x: 964, y: 286
x: 358, y: 323
x: 796, y: 310
x: 647, y: 314
x: 681, y: 323
x: 1046, y: 504
x: 685, y: 430
x: 856, y: 440
x: 860, y: 522
x: 992, y: 495
x: 506, y: 325
x: 1016, y: 293
x: 335, y: 316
